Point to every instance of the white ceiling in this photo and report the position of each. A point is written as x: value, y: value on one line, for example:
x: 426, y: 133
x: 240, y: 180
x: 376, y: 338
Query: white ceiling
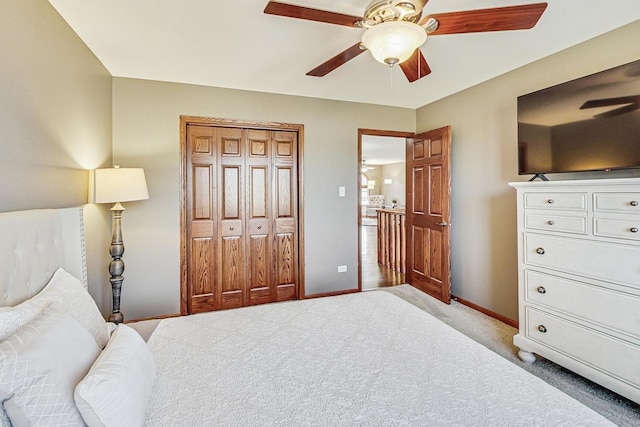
x: 383, y: 150
x: 233, y: 44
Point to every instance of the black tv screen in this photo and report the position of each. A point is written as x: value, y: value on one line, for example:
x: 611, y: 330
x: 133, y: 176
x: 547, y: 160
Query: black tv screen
x: 587, y: 124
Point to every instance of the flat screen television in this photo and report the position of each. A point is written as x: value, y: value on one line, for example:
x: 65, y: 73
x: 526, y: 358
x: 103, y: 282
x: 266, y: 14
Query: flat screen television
x: 588, y: 124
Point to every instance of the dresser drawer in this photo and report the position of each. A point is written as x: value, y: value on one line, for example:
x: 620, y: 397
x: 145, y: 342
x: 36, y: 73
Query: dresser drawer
x: 612, y: 309
x: 610, y: 262
x: 617, y: 228
x: 560, y: 201
x: 617, y: 358
x: 565, y: 224
x: 617, y: 202
x: 586, y: 345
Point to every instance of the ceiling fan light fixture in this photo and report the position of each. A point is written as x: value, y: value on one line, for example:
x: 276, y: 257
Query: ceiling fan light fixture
x: 393, y: 42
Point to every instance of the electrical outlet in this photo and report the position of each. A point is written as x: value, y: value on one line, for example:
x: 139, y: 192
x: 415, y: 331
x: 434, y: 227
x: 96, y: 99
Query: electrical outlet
x: 341, y: 191
x: 342, y: 268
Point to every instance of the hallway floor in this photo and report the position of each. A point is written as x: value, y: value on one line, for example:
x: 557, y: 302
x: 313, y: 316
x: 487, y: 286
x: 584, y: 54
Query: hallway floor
x: 373, y: 275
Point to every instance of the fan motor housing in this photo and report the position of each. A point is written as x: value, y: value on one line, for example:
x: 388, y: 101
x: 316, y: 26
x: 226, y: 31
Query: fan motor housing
x: 379, y: 11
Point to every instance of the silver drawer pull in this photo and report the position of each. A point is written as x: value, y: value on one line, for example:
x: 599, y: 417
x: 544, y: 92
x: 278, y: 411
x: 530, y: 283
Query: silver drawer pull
x: 259, y: 227
x: 551, y: 201
x: 633, y: 203
x: 550, y: 222
x: 541, y: 290
x: 231, y: 228
x: 633, y: 229
x: 540, y: 251
x: 542, y: 328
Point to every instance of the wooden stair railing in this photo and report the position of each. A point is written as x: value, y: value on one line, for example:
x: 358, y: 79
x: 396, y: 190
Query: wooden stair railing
x: 392, y: 239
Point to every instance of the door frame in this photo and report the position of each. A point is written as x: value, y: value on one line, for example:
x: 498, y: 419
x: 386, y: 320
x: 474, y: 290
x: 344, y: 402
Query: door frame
x: 361, y: 133
x: 221, y: 122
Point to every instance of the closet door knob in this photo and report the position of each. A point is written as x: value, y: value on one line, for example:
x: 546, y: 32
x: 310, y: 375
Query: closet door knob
x: 633, y: 203
x: 540, y: 251
x: 633, y: 229
x: 542, y: 328
x: 551, y: 201
x: 550, y: 222
x: 259, y: 227
x: 541, y: 290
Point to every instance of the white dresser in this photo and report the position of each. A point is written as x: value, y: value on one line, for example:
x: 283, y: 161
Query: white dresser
x: 579, y: 278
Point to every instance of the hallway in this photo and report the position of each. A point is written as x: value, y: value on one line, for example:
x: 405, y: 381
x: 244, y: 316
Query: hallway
x: 373, y: 275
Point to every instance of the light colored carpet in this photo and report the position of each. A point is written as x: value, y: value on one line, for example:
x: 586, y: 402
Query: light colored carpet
x: 498, y: 337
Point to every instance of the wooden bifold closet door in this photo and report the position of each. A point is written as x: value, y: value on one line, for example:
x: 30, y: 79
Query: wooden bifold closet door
x: 241, y: 216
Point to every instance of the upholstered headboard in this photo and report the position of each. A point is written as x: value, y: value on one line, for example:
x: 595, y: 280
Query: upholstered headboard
x: 33, y: 245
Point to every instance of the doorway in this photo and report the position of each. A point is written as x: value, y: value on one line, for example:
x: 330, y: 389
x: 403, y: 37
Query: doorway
x: 382, y: 189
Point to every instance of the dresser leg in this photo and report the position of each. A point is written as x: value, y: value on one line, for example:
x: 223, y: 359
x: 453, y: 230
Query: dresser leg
x: 527, y: 357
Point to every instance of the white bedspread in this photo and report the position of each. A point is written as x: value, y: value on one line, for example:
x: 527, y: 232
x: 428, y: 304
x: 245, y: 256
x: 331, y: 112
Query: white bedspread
x: 360, y: 359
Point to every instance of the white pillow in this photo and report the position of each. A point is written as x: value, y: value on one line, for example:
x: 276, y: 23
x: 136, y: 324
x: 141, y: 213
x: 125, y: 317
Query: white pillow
x: 72, y: 297
x: 116, y: 390
x: 4, y: 418
x: 40, y: 366
x: 11, y: 318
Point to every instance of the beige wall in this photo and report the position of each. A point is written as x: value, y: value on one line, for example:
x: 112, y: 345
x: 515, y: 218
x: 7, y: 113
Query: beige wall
x: 375, y: 175
x: 55, y: 123
x: 484, y: 159
x: 397, y: 172
x: 146, y: 134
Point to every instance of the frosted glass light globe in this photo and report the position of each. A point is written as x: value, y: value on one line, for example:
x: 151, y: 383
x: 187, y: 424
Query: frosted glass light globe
x: 393, y: 42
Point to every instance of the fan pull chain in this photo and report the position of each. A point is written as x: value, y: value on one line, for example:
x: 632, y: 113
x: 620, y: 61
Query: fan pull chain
x: 391, y: 77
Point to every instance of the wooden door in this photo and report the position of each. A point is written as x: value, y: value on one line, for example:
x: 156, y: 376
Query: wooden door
x: 201, y: 218
x: 259, y: 245
x: 242, y: 217
x: 231, y: 263
x: 285, y: 187
x: 429, y: 213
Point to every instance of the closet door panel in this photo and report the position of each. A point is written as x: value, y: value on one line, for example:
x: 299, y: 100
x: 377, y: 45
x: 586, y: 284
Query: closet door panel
x: 259, y: 244
x: 285, y: 266
x: 232, y: 272
x: 231, y: 192
x: 201, y: 243
x: 231, y: 266
x: 259, y: 212
x: 286, y: 214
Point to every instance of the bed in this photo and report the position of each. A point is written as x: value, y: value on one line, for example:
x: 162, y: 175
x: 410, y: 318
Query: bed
x: 360, y: 359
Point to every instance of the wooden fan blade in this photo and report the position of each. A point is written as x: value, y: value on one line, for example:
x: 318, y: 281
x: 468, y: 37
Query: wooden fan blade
x: 330, y: 65
x: 618, y: 111
x: 415, y: 67
x: 300, y: 12
x: 595, y: 103
x: 484, y: 20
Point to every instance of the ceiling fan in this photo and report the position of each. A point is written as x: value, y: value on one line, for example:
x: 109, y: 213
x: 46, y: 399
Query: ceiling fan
x: 402, y: 23
x: 365, y: 167
x: 630, y: 103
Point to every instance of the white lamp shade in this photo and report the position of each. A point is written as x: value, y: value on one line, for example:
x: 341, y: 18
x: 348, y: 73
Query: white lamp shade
x: 117, y: 185
x: 393, y: 42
